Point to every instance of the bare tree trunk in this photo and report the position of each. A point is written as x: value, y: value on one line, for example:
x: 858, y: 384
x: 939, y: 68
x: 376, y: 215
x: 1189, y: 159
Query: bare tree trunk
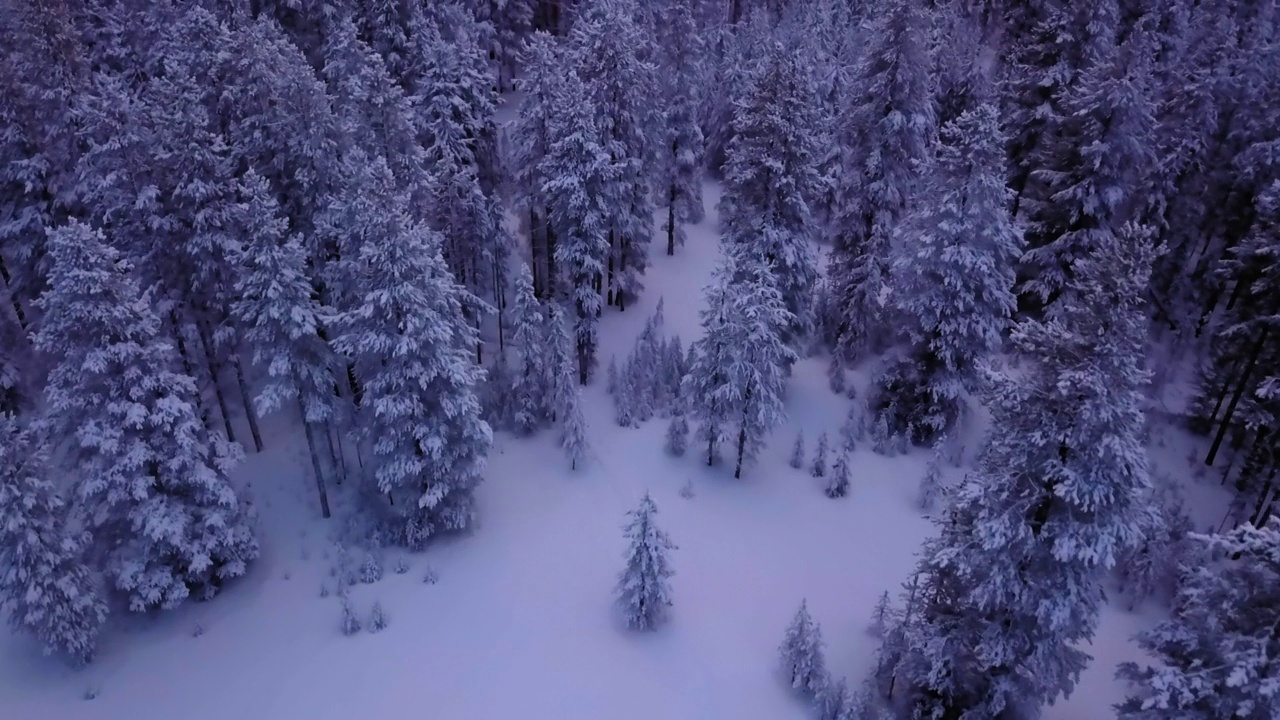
x: 1222, y: 393
x: 187, y: 368
x: 211, y: 364
x: 671, y: 220
x: 339, y: 458
x: 316, y: 465
x: 13, y: 298
x: 551, y: 260
x: 535, y: 255
x: 1255, y: 351
x: 500, y: 300
x: 608, y: 281
x: 249, y: 413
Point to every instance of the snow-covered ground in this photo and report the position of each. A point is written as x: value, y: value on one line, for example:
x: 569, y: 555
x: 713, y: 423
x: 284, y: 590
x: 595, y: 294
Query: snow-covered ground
x: 521, y: 622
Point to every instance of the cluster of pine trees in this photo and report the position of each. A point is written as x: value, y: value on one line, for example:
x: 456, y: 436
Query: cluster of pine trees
x: 1064, y: 185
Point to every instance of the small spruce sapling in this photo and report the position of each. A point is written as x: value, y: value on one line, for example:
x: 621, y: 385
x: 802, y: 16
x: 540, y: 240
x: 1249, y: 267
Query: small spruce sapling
x: 854, y: 427
x: 644, y: 587
x: 370, y: 568
x: 819, y: 467
x: 797, y: 451
x: 350, y: 623
x: 802, y: 661
x: 574, y: 438
x: 882, y: 440
x: 835, y: 377
x: 881, y: 616
x: 377, y: 618
x: 838, y: 487
x: 611, y: 378
x: 931, y: 483
x: 678, y: 433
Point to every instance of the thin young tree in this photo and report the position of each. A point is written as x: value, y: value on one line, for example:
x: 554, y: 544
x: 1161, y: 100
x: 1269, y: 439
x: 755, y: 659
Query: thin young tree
x: 802, y: 660
x: 644, y: 588
x: 531, y: 394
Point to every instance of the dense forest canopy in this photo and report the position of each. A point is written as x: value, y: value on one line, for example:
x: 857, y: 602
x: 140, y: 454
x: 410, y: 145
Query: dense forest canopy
x: 216, y: 211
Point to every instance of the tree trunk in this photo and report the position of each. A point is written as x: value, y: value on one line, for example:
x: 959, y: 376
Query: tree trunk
x: 211, y: 364
x: 1255, y: 351
x: 609, y: 281
x: 13, y: 298
x: 535, y: 255
x: 338, y: 457
x: 551, y: 261
x: 671, y: 220
x: 249, y: 413
x: 711, y: 451
x: 742, y: 446
x: 187, y: 369
x: 500, y: 300
x: 316, y: 465
x: 1222, y: 394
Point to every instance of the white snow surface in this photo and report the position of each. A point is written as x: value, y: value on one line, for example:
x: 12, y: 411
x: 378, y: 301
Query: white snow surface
x: 522, y: 621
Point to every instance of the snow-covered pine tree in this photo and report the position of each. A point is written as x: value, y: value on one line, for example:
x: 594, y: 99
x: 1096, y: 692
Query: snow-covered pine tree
x: 853, y: 428
x: 561, y: 369
x: 681, y: 153
x: 611, y: 377
x: 1217, y: 651
x: 164, y: 516
x: 530, y: 391
x: 881, y: 616
x: 797, y: 452
x: 678, y: 432
x: 454, y: 101
x: 281, y: 321
x: 955, y: 280
x: 410, y: 346
x: 566, y: 395
x: 758, y: 372
x: 771, y: 179
x: 44, y: 586
x: 373, y: 112
x: 736, y: 383
x: 931, y: 483
x: 621, y: 98
x: 833, y: 702
x: 838, y: 486
x: 574, y: 430
x: 819, y: 467
x: 644, y: 588
x: 1013, y: 585
x: 887, y: 133
x: 531, y: 140
x: 1096, y: 177
x: 803, y: 663
x: 576, y: 170
x: 705, y: 386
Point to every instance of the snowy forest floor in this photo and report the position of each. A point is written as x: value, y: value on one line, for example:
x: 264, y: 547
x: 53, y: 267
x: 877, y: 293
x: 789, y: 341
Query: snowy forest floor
x: 521, y: 621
